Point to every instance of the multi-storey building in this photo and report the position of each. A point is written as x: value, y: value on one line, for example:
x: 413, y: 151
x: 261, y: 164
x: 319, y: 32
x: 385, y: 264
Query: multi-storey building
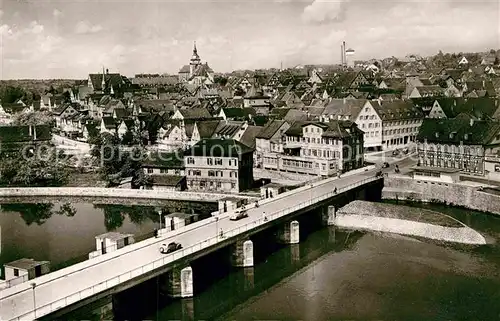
x: 386, y: 124
x: 318, y: 148
x: 219, y: 165
x: 401, y: 121
x: 269, y: 139
x: 457, y: 144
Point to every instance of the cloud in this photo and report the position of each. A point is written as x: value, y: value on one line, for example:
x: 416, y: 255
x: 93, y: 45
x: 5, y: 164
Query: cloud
x: 35, y: 28
x: 84, y: 27
x: 57, y: 13
x: 320, y: 11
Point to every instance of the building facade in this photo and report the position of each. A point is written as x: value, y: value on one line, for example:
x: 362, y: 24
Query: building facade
x: 457, y: 144
x: 219, y: 165
x: 318, y: 148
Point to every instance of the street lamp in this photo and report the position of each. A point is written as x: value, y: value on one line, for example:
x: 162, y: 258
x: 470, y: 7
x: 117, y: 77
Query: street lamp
x: 33, y: 286
x: 159, y: 214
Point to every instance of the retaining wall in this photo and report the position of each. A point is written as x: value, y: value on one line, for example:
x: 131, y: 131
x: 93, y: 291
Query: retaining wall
x: 111, y: 192
x: 406, y: 188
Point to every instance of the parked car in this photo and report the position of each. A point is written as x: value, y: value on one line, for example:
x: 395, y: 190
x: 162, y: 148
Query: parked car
x: 385, y: 165
x: 239, y: 214
x: 406, y: 151
x: 395, y: 152
x: 378, y: 174
x: 171, y: 247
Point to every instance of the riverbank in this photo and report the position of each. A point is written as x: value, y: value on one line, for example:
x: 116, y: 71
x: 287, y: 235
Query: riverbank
x: 405, y: 220
x: 16, y: 192
x: 455, y: 194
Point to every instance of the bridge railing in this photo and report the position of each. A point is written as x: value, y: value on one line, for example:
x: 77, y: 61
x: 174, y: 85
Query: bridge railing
x: 102, y: 286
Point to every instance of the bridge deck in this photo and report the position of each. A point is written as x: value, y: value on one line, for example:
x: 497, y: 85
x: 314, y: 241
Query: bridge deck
x: 67, y: 286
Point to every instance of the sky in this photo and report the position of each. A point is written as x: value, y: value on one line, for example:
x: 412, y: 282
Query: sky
x: 72, y: 38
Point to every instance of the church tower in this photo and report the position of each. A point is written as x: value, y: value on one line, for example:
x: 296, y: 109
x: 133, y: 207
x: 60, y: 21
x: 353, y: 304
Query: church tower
x: 195, y: 61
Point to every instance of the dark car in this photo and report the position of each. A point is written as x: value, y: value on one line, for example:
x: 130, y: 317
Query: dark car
x: 395, y: 152
x: 385, y: 165
x: 172, y: 247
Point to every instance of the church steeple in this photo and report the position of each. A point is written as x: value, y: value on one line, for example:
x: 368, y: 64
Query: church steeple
x: 195, y: 58
x: 195, y: 61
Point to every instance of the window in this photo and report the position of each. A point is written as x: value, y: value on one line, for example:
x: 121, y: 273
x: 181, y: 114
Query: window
x: 190, y: 160
x: 177, y: 172
x: 202, y: 184
x: 235, y: 174
x: 219, y: 184
x: 150, y: 171
x: 211, y: 173
x: 16, y: 272
x: 211, y: 184
x: 163, y: 171
x: 210, y: 161
x: 233, y: 185
x: 218, y: 161
x: 197, y: 173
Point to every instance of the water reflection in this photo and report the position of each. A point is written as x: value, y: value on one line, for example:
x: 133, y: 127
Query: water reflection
x: 64, y: 233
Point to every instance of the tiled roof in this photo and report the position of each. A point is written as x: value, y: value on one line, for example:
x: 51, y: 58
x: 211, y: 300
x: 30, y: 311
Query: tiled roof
x: 19, y: 134
x: 396, y: 110
x: 479, y: 108
x: 456, y: 131
x: 164, y: 160
x: 344, y: 107
x: 249, y: 135
x: 166, y: 180
x: 207, y: 128
x: 195, y: 113
x: 216, y: 147
x: 270, y: 129
x: 334, y: 129
x: 115, y: 80
x: 238, y: 112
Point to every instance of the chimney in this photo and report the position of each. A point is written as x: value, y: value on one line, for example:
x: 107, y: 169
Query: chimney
x: 471, y: 122
x: 34, y: 132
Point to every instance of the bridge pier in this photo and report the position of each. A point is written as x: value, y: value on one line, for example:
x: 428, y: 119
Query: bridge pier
x: 180, y: 283
x: 249, y: 278
x: 289, y: 234
x: 328, y: 215
x: 242, y: 255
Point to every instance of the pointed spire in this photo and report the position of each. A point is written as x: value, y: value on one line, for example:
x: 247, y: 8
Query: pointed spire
x: 195, y: 51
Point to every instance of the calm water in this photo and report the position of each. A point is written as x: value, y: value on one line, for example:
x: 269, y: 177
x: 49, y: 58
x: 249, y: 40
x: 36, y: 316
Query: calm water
x: 64, y: 233
x: 341, y: 276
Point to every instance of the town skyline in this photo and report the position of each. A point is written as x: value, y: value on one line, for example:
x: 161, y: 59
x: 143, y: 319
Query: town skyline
x: 59, y: 39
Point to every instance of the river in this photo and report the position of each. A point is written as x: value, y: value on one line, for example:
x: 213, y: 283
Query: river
x: 330, y: 275
x: 64, y: 232
x: 368, y: 277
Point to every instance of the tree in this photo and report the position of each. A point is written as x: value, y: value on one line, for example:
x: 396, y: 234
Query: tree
x: 43, y: 167
x: 220, y: 80
x: 11, y: 94
x: 131, y: 138
x: 34, y: 118
x: 37, y: 213
x: 116, y: 163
